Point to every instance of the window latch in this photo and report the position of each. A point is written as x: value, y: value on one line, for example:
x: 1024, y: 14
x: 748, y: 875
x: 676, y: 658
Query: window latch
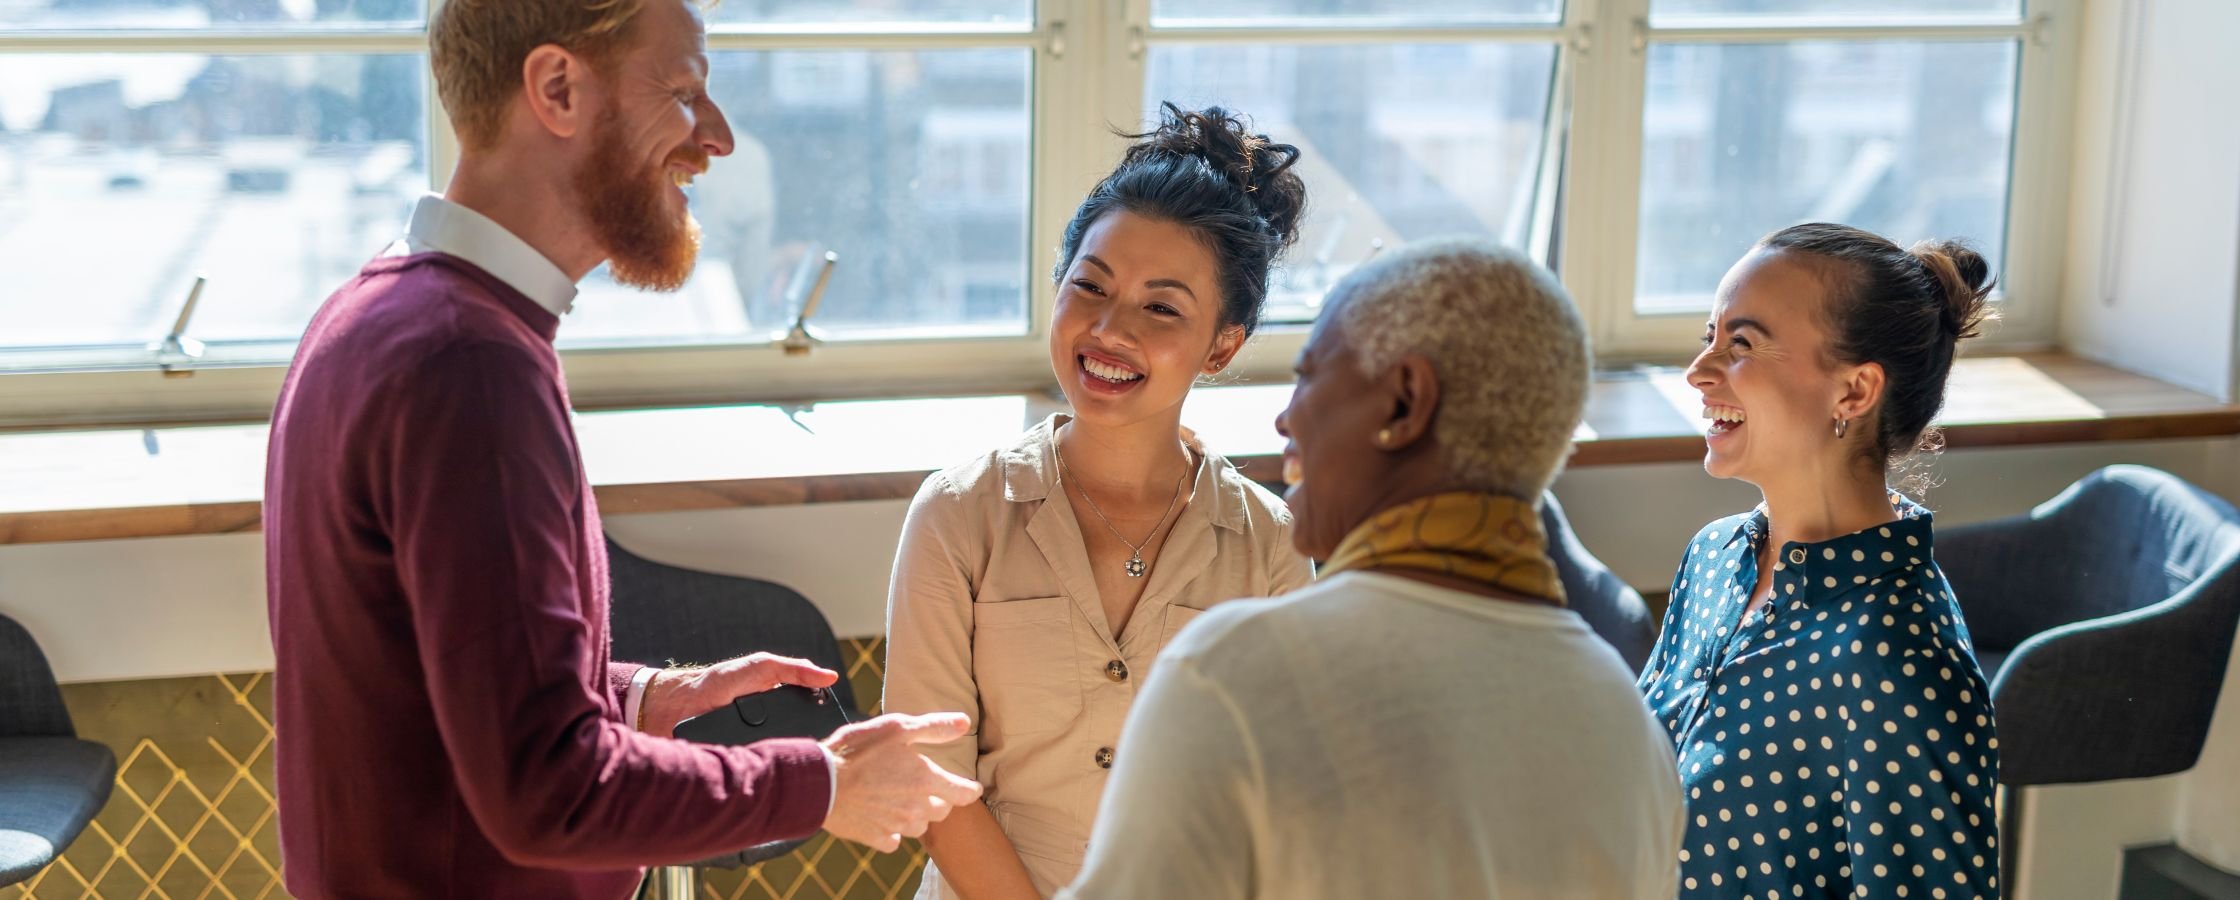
x: 803, y: 337
x: 1056, y: 42
x: 176, y: 354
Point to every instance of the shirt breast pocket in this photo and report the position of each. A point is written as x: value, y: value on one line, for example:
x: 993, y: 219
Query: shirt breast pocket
x: 1023, y: 661
x: 1178, y: 617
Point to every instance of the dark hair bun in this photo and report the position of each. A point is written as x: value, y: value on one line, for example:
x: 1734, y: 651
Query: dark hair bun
x: 1966, y: 279
x: 1905, y: 310
x: 1206, y: 171
x: 1224, y: 140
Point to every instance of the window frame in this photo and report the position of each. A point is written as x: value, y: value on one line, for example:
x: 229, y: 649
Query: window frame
x: 1088, y: 64
x: 1602, y: 212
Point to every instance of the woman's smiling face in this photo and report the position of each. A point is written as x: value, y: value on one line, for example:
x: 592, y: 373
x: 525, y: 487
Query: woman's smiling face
x: 1138, y: 320
x: 1765, y: 373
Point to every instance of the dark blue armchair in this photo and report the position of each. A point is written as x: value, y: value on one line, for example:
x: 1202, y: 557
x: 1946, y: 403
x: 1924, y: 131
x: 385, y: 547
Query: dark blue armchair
x: 51, y: 783
x: 2104, y: 619
x: 663, y: 613
x: 1611, y: 607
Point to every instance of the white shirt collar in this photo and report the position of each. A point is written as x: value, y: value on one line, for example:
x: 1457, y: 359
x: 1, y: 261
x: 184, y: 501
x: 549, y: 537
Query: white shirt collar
x: 441, y: 226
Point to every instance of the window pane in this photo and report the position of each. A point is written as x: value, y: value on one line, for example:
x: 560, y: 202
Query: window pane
x: 1661, y: 11
x: 1400, y: 141
x: 1475, y: 12
x: 123, y: 176
x: 163, y: 14
x: 874, y: 12
x: 912, y: 166
x: 1910, y: 140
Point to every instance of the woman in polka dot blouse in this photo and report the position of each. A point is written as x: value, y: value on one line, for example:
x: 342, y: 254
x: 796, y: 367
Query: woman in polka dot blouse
x: 1834, y: 731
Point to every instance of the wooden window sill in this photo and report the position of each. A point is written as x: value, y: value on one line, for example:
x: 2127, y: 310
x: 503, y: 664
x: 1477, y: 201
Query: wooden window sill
x: 114, y: 484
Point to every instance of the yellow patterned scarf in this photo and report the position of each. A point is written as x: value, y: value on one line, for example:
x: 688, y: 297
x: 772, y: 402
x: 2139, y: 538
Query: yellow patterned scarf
x: 1482, y: 537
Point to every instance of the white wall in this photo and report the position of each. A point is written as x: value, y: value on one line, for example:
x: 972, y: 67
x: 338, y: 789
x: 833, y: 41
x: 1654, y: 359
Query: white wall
x: 2208, y: 801
x: 111, y: 610
x: 837, y: 554
x: 2154, y: 249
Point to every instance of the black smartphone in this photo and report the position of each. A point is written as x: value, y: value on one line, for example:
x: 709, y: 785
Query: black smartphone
x: 786, y: 711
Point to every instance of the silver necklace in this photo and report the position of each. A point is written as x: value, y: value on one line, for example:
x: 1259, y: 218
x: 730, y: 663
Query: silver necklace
x: 1135, y: 567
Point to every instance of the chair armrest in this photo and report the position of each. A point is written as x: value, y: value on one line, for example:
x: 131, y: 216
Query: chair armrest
x: 752, y: 855
x: 2124, y: 696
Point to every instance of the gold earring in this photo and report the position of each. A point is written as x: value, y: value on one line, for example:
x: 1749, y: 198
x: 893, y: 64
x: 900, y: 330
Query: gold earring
x: 1384, y: 437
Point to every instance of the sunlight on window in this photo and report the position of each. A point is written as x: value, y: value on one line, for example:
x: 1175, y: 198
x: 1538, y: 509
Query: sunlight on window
x: 1907, y: 139
x: 123, y: 176
x: 1399, y: 142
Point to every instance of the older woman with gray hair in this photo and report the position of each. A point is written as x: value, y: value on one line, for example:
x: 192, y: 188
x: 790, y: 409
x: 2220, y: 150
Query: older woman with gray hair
x: 1427, y: 720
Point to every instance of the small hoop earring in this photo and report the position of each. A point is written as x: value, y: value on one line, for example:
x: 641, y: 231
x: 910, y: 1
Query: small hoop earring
x: 1842, y: 425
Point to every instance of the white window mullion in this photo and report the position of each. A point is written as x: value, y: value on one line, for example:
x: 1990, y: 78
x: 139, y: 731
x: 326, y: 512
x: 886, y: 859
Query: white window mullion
x: 1069, y: 147
x: 1127, y: 67
x: 443, y: 143
x: 2040, y: 178
x: 1548, y: 195
x: 1603, y: 169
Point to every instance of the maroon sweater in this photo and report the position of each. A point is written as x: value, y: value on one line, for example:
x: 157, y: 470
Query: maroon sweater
x: 448, y: 722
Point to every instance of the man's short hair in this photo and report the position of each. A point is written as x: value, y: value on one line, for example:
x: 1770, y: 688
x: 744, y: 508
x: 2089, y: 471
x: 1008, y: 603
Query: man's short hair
x: 477, y: 47
x: 1508, y: 345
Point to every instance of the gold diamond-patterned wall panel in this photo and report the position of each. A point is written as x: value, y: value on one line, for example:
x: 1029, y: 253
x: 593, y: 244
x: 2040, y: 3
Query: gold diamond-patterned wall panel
x: 192, y: 812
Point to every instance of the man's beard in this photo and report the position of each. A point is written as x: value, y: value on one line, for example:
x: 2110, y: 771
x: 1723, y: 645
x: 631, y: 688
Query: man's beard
x: 646, y: 247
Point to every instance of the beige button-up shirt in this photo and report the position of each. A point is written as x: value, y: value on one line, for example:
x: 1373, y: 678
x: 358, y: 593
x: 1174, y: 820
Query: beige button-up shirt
x: 993, y: 612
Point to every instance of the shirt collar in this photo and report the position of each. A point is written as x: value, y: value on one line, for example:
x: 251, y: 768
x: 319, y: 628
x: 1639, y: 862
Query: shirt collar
x: 1030, y: 467
x: 441, y: 226
x: 1866, y: 554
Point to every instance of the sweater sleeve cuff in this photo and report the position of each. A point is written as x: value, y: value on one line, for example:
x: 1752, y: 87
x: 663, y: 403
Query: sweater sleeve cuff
x: 636, y: 698
x: 797, y: 807
x: 832, y: 773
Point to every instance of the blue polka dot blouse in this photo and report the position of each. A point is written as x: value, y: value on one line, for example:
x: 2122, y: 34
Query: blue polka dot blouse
x: 1840, y: 742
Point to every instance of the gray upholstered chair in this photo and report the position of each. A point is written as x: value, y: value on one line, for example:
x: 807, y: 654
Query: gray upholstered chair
x: 51, y: 783
x: 2104, y: 619
x: 1611, y: 607
x: 663, y: 614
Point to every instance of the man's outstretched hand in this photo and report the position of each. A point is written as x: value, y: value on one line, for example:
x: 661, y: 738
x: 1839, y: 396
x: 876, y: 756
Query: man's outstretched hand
x: 884, y: 789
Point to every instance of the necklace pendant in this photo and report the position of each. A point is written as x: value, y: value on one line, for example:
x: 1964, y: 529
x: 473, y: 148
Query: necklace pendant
x: 1135, y: 567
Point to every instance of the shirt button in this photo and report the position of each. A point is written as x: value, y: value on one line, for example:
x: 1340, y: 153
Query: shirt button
x: 1796, y: 556
x: 1116, y: 670
x: 1104, y: 757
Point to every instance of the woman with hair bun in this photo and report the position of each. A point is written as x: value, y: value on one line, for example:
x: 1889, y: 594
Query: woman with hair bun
x: 1834, y: 730
x: 1036, y: 583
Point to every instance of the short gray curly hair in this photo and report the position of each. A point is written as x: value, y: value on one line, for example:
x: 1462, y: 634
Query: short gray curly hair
x: 1508, y: 345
